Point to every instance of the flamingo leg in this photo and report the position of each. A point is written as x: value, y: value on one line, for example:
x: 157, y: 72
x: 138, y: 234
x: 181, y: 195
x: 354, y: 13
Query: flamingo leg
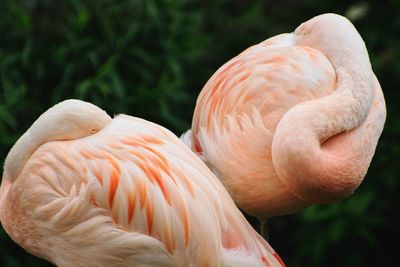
x: 264, y: 228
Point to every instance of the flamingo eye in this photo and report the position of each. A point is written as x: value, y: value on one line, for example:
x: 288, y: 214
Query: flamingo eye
x: 302, y: 30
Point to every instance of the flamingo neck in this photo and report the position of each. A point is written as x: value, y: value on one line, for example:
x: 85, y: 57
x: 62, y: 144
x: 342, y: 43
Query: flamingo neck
x: 22, y: 151
x: 14, y: 163
x: 312, y: 167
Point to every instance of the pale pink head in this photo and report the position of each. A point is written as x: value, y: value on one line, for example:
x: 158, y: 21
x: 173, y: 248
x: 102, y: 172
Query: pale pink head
x: 70, y: 119
x: 333, y: 35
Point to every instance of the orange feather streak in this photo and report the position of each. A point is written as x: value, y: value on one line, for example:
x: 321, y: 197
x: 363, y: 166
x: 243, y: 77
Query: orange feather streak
x: 143, y: 194
x: 131, y: 205
x: 185, y: 221
x: 114, y: 180
x: 149, y: 216
x: 152, y: 174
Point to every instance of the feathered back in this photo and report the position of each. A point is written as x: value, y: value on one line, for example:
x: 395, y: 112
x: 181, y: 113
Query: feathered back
x: 130, y: 195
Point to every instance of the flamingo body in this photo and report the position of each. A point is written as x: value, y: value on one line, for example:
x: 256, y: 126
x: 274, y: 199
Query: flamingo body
x: 130, y: 194
x: 239, y: 108
x: 286, y: 91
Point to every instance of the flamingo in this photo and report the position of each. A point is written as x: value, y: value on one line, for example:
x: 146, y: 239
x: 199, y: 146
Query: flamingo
x: 292, y: 121
x: 82, y: 189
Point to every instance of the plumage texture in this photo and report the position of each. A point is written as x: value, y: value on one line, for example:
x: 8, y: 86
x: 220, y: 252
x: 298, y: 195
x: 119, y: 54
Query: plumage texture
x: 129, y: 194
x: 291, y: 121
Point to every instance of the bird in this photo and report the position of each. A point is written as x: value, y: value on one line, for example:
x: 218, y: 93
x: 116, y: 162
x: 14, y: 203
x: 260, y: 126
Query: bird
x: 80, y: 188
x: 292, y: 121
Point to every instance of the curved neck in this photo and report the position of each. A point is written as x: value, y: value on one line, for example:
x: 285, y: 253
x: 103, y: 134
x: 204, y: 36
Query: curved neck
x: 346, y: 108
x: 318, y: 149
x: 23, y: 149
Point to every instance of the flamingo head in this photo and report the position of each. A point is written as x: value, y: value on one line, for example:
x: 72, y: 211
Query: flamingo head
x: 70, y: 119
x: 333, y: 35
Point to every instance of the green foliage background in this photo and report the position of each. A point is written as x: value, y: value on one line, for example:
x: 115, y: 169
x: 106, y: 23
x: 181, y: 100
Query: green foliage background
x: 151, y: 58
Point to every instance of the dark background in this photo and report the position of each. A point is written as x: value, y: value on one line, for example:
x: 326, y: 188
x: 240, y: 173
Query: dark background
x: 151, y: 58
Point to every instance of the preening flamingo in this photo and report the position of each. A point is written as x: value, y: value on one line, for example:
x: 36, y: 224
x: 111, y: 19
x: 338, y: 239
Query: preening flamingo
x: 292, y: 121
x: 82, y: 189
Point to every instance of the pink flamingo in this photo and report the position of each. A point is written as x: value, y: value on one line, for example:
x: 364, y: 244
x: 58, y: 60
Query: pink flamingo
x: 292, y: 121
x: 82, y: 189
